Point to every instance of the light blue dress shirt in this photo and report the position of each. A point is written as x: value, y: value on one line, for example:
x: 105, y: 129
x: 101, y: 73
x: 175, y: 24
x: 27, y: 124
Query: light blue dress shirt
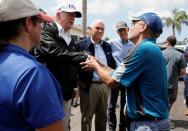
x: 100, y: 55
x: 120, y: 49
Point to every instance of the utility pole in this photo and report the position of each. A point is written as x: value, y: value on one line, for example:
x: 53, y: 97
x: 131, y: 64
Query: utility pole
x: 84, y: 17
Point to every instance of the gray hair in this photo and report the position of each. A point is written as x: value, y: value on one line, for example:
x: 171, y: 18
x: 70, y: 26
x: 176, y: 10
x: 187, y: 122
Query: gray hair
x: 96, y: 21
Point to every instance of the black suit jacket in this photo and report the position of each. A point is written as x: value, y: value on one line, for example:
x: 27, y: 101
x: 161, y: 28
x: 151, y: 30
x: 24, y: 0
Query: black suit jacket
x: 86, y: 45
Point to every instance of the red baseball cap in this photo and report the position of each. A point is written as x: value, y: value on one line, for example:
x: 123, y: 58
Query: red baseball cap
x: 45, y: 17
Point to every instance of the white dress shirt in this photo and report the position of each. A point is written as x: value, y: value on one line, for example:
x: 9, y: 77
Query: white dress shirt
x: 66, y: 35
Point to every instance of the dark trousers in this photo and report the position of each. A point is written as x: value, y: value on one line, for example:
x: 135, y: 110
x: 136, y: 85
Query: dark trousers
x: 112, y: 102
x: 185, y: 78
x: 172, y: 96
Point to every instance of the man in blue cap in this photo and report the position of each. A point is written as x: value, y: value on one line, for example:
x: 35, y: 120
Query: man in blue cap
x: 143, y: 72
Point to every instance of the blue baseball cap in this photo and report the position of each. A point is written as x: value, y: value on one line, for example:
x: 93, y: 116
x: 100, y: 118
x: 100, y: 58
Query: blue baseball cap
x: 152, y: 20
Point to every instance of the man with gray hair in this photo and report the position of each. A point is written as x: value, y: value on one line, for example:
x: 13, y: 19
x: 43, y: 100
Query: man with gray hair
x: 93, y: 92
x: 57, y: 52
x: 120, y: 48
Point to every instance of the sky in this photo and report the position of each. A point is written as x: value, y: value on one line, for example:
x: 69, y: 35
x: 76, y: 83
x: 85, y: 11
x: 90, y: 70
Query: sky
x: 113, y: 11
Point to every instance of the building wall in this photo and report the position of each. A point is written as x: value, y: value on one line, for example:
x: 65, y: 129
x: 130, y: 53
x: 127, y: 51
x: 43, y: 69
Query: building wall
x: 77, y: 31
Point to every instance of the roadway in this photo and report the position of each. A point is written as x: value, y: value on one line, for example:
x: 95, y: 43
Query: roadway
x: 177, y: 114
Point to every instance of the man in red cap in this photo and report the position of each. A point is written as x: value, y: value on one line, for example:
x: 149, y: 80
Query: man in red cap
x: 30, y: 96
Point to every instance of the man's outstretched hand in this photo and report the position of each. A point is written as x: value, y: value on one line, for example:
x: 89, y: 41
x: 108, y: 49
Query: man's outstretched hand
x: 90, y: 64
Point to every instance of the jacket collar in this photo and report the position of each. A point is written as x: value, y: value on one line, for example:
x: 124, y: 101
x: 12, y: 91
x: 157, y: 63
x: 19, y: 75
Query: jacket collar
x: 90, y: 43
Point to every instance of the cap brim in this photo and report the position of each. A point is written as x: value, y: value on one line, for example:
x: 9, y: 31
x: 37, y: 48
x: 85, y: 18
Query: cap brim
x: 134, y: 18
x: 122, y: 27
x: 78, y: 14
x: 45, y: 17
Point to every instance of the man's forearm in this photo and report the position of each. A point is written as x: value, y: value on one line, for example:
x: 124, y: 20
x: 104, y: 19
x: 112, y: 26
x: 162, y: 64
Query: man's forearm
x: 105, y: 67
x: 183, y: 71
x: 102, y: 70
x: 104, y: 73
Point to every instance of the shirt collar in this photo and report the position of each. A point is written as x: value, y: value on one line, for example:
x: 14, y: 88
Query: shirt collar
x: 15, y: 48
x: 61, y: 29
x: 171, y: 47
x: 95, y: 43
x: 124, y: 43
x: 153, y: 40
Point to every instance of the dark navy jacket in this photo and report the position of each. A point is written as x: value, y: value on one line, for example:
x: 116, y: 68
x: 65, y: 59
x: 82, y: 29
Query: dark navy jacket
x: 87, y: 46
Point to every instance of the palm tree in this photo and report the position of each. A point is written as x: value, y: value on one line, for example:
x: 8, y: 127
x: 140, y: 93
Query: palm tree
x: 176, y: 21
x: 84, y: 16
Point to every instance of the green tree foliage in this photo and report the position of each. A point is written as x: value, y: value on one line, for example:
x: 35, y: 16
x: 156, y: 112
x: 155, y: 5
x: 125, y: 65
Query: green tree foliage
x: 106, y: 38
x: 176, y: 21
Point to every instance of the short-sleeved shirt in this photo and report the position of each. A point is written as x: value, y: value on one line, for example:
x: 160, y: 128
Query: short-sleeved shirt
x: 186, y: 51
x: 144, y: 74
x: 120, y: 49
x: 186, y: 48
x: 30, y: 96
x: 175, y: 61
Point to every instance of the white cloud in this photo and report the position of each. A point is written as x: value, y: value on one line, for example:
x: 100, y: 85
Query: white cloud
x: 106, y: 7
x: 161, y: 13
x: 157, y: 4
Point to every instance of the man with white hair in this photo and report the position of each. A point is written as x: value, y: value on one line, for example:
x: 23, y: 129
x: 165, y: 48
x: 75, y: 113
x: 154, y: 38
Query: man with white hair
x: 93, y: 92
x: 30, y: 96
x: 57, y: 52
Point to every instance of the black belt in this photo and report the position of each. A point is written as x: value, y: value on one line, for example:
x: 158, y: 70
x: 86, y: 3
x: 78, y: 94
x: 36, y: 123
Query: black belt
x: 147, y: 118
x: 98, y: 82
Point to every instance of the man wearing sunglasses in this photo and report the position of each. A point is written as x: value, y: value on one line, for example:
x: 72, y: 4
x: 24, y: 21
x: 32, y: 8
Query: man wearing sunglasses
x: 144, y: 74
x: 30, y: 96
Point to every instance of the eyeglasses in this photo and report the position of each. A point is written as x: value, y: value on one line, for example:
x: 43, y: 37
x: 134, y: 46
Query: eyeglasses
x: 133, y: 23
x: 34, y: 18
x: 137, y: 22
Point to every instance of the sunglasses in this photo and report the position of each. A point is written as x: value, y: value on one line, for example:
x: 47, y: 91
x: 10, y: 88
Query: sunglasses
x: 137, y: 22
x: 34, y: 18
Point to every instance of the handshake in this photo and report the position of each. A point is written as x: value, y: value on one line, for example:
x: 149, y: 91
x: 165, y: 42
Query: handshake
x: 90, y: 64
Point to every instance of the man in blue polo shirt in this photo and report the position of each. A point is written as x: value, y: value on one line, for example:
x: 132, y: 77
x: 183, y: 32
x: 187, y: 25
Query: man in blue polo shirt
x: 30, y: 96
x: 144, y: 74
